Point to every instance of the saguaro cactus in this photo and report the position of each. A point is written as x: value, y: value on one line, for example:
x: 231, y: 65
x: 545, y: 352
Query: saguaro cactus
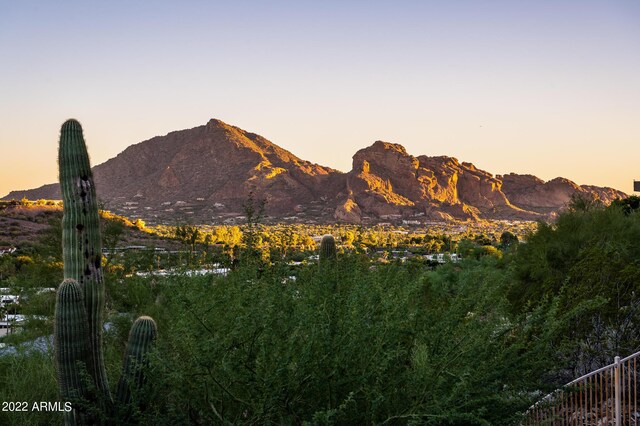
x: 81, y: 296
x: 81, y: 242
x: 327, y: 250
x: 141, y: 337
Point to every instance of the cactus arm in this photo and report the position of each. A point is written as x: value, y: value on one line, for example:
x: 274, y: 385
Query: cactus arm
x: 141, y: 337
x: 71, y: 343
x: 82, y: 247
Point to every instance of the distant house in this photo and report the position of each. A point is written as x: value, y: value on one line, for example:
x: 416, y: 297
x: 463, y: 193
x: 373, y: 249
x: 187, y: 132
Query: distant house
x: 7, y: 250
x: 9, y: 299
x: 443, y: 257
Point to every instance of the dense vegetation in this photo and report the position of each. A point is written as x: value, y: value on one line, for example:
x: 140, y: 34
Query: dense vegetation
x: 361, y: 342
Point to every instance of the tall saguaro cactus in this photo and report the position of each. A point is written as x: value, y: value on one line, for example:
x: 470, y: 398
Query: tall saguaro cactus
x: 81, y: 242
x: 81, y: 297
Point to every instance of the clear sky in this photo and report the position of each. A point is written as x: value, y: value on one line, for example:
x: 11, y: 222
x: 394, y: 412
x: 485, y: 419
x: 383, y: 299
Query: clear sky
x: 550, y: 88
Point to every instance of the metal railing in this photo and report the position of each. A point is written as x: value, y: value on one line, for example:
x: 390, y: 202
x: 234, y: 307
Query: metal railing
x: 605, y: 397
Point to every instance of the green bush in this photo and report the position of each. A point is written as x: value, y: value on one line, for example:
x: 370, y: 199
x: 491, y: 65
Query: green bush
x: 390, y: 344
x: 588, y: 264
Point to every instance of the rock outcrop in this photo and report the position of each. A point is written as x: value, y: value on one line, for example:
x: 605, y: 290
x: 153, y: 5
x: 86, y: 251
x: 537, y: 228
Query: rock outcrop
x: 386, y: 180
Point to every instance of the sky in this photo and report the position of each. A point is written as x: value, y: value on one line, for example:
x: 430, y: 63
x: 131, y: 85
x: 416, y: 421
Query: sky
x: 549, y: 88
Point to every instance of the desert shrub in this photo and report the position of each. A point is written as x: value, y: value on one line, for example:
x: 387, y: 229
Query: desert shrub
x: 353, y: 345
x: 587, y: 263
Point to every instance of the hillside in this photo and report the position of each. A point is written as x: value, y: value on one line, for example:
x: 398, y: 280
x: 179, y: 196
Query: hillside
x: 28, y: 224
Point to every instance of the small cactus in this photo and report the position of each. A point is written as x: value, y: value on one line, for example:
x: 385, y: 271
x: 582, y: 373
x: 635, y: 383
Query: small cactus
x: 327, y: 250
x: 142, y: 335
x: 81, y: 296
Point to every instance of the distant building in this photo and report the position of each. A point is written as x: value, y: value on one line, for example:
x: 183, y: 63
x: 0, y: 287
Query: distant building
x: 443, y: 258
x: 8, y: 299
x: 636, y: 185
x: 7, y: 250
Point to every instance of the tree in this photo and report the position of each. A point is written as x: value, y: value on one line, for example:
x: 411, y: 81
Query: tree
x: 139, y: 224
x: 587, y: 263
x: 508, y: 239
x: 111, y: 235
x: 482, y: 240
x: 251, y: 238
x: 188, y: 235
x: 254, y: 212
x: 348, y: 238
x: 627, y: 205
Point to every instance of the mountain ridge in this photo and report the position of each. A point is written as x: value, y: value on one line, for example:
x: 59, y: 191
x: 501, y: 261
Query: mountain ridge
x: 207, y: 173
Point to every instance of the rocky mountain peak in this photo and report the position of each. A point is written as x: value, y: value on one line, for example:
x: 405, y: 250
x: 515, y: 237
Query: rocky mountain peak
x: 388, y: 146
x: 386, y: 156
x: 215, y: 123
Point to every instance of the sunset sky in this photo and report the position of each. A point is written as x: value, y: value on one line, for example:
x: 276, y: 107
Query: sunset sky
x: 550, y: 88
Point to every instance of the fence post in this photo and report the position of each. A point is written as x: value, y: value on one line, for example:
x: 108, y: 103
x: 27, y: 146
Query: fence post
x: 617, y: 390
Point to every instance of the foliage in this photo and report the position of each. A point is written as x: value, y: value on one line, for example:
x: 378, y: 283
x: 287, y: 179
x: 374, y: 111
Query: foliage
x: 628, y: 205
x: 588, y: 263
x: 389, y: 344
x: 508, y: 239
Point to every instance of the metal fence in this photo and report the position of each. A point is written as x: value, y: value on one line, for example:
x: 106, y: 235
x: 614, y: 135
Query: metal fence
x: 604, y: 397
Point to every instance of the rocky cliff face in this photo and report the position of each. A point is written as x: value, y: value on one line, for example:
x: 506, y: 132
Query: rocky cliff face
x: 205, y: 174
x: 386, y: 180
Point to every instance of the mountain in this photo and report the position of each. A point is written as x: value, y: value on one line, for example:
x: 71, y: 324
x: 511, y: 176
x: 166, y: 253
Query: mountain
x: 206, y: 174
